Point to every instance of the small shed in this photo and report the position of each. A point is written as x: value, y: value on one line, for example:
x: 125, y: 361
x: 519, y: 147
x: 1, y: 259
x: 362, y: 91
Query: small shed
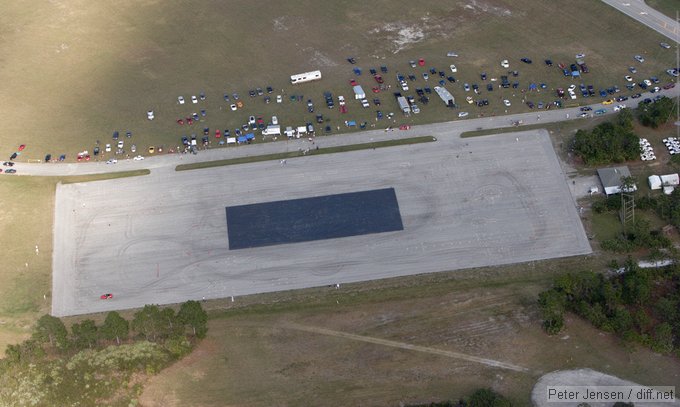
x: 654, y: 182
x: 611, y: 179
x: 670, y: 180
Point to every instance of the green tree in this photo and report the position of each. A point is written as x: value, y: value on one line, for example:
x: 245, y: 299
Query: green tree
x: 51, y: 329
x: 608, y: 142
x: 663, y: 338
x: 171, y: 325
x: 637, y: 286
x: 552, y: 304
x: 148, y: 322
x: 488, y: 398
x: 29, y: 351
x: 192, y: 313
x: 115, y: 327
x: 84, y: 334
x: 655, y: 114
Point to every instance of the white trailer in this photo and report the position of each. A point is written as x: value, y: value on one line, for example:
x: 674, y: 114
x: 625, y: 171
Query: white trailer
x: 403, y: 105
x: 272, y: 130
x: 359, y: 92
x: 305, y: 77
x: 301, y: 130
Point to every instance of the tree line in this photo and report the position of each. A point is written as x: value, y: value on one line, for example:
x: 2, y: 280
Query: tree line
x: 639, y: 304
x: 91, y: 364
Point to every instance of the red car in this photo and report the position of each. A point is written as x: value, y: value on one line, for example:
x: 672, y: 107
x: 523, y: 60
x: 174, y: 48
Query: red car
x: 404, y: 127
x: 180, y: 121
x: 190, y: 120
x: 421, y: 62
x: 343, y: 109
x: 106, y: 296
x: 353, y: 82
x: 21, y: 147
x: 218, y: 134
x: 376, y: 90
x: 378, y: 79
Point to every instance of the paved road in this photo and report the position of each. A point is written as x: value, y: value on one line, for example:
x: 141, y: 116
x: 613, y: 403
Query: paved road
x: 167, y: 162
x: 657, y: 21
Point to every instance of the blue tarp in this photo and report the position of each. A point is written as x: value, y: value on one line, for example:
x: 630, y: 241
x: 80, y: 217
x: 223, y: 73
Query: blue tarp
x: 532, y: 86
x: 351, y: 123
x: 574, y: 74
x: 241, y: 139
x: 250, y: 136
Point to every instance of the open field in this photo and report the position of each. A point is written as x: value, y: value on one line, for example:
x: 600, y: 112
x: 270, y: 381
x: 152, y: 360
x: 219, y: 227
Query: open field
x: 155, y: 52
x: 464, y: 203
x: 283, y: 353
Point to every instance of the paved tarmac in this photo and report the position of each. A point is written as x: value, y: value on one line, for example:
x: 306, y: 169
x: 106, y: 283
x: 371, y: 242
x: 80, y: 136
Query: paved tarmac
x: 162, y: 238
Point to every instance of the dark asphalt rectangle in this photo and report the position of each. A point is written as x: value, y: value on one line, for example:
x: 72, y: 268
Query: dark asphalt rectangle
x: 315, y: 218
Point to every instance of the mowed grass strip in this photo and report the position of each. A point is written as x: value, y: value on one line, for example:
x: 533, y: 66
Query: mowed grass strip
x: 294, y: 154
x: 668, y: 7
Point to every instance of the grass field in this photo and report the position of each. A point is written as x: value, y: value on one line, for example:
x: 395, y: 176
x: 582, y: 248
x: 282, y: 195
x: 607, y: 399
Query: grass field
x: 259, y: 355
x: 67, y: 91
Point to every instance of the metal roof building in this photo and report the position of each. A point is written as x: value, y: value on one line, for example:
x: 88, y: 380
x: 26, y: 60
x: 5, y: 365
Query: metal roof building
x: 611, y: 179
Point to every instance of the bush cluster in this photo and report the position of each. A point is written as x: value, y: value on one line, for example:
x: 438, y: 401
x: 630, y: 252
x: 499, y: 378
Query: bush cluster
x: 93, y: 364
x: 640, y: 305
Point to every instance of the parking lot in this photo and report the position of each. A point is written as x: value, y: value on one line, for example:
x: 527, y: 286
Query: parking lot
x: 163, y: 238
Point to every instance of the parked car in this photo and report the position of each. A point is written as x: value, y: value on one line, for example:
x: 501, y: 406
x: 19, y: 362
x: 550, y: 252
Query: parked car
x: 526, y: 60
x: 639, y: 58
x: 180, y: 100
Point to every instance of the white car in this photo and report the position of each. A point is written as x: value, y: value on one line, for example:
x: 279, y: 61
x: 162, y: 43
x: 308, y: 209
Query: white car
x: 647, y: 82
x: 469, y: 99
x: 572, y: 87
x: 112, y: 161
x: 120, y: 144
x: 233, y: 107
x: 453, y: 68
x: 628, y: 78
x: 572, y: 95
x: 505, y: 63
x: 341, y: 100
x: 194, y: 99
x: 639, y: 58
x: 462, y: 114
x: 619, y: 107
x: 107, y: 148
x: 664, y: 45
x: 364, y: 103
x: 251, y: 120
x: 138, y: 158
x: 415, y: 108
x: 279, y: 99
x: 275, y: 120
x: 506, y: 102
x: 180, y: 99
x: 150, y: 115
x: 133, y: 148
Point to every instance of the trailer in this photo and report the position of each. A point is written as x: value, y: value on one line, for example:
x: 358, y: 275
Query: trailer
x: 359, y: 92
x: 305, y: 77
x: 445, y: 95
x: 272, y: 130
x: 403, y: 105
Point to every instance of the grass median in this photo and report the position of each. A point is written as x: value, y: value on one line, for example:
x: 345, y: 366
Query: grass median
x: 293, y: 154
